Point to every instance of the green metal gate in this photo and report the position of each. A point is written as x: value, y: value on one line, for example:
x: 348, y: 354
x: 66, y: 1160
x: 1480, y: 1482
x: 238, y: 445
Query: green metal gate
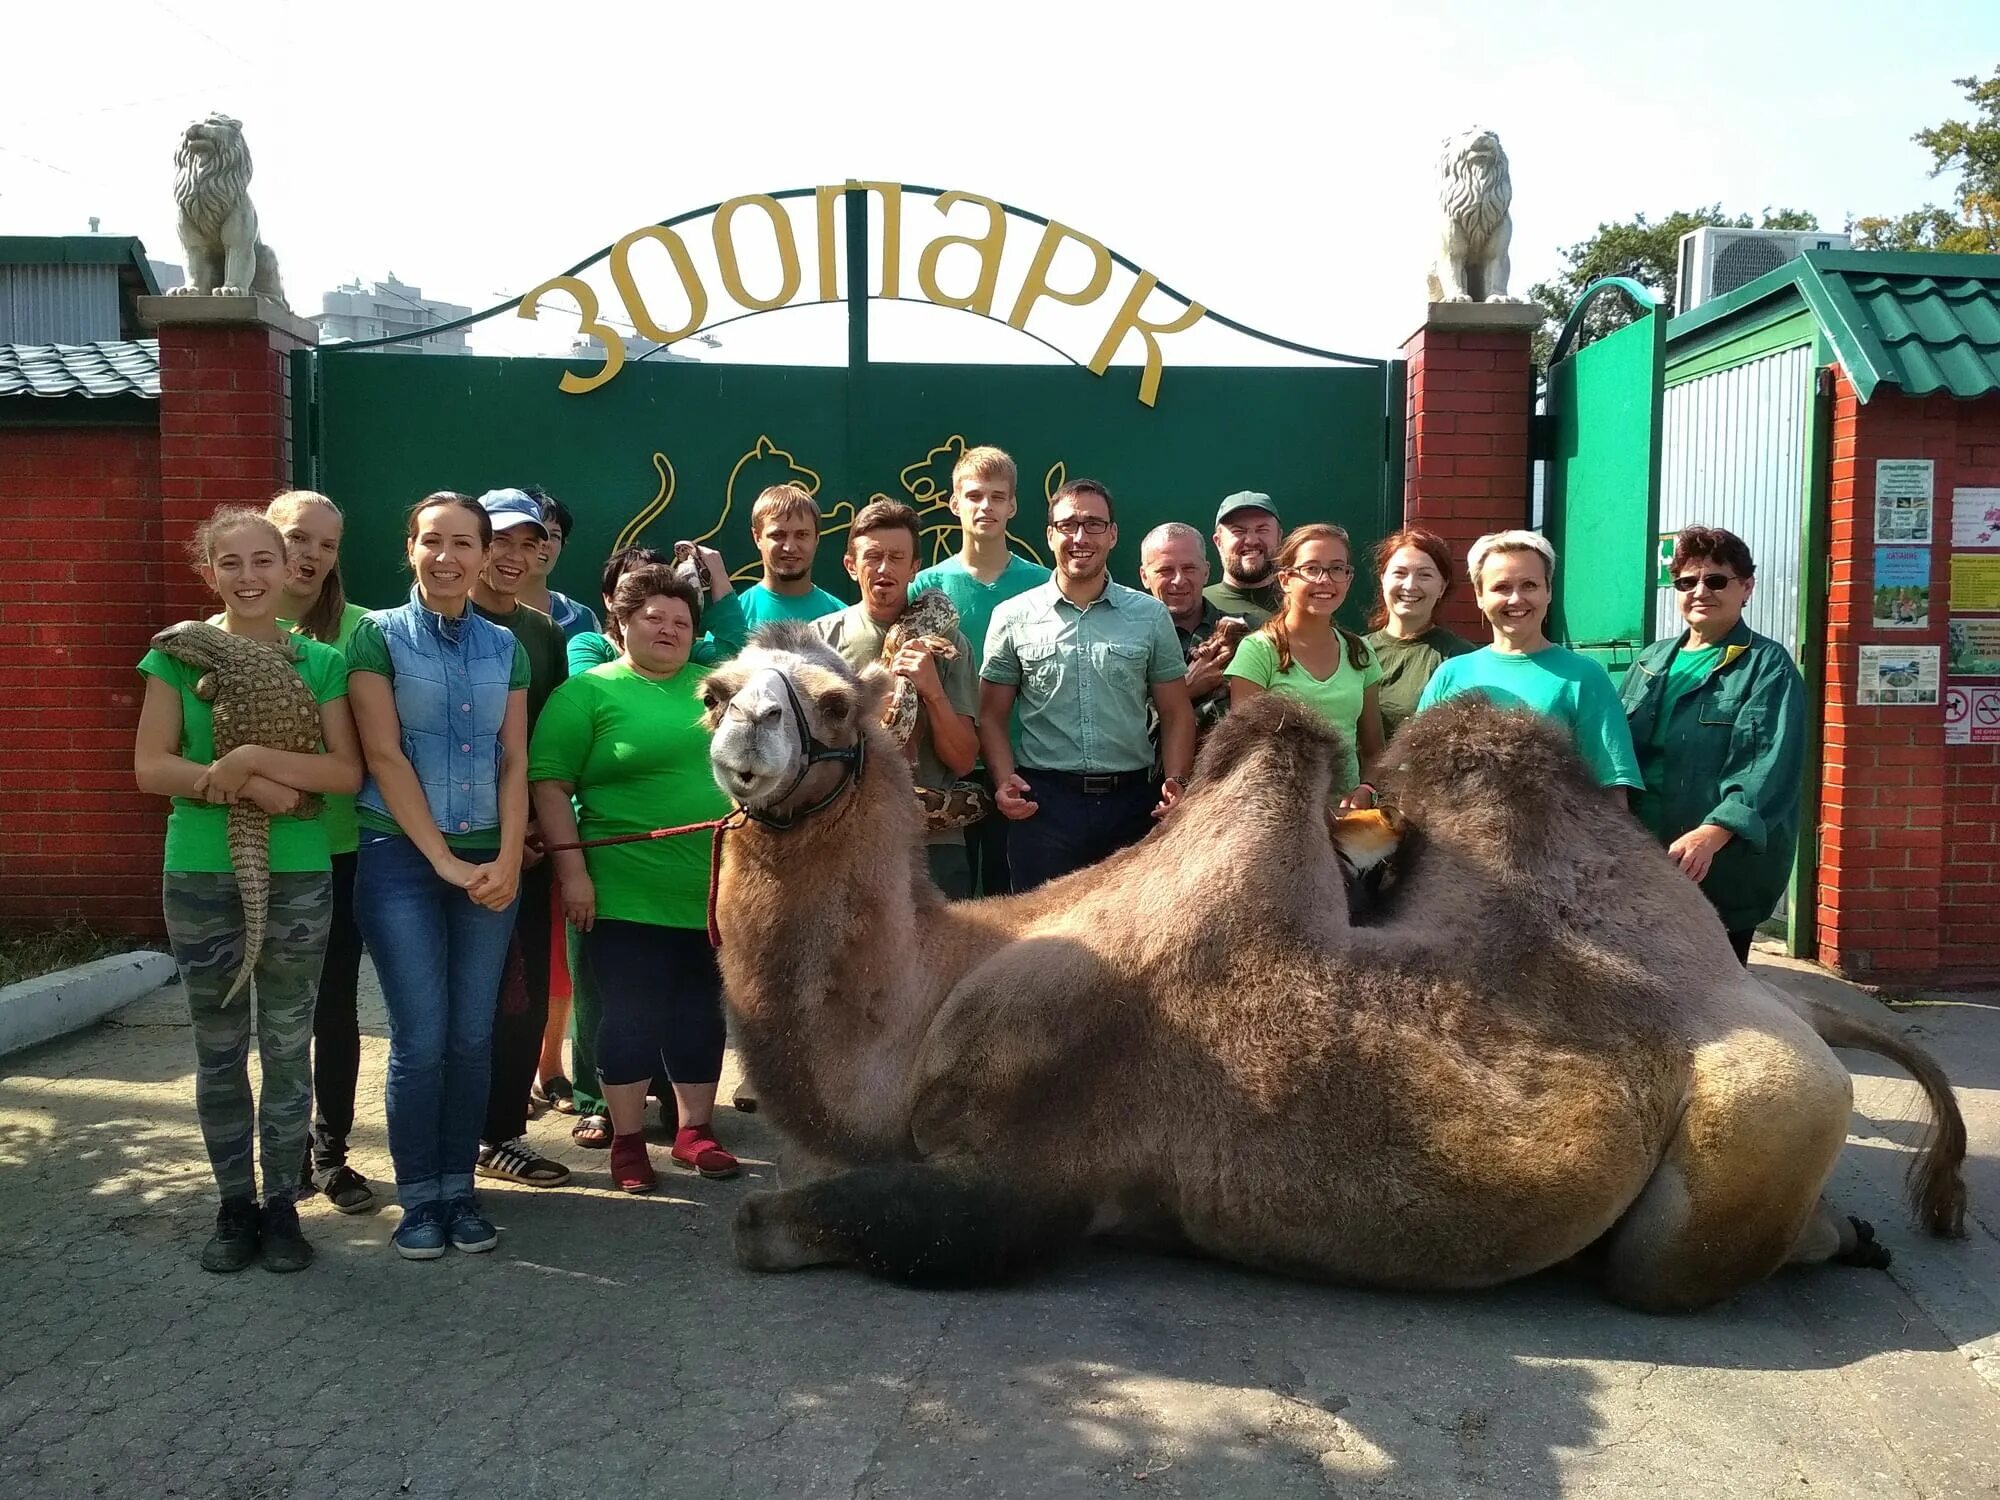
x: 1601, y: 501
x: 680, y: 450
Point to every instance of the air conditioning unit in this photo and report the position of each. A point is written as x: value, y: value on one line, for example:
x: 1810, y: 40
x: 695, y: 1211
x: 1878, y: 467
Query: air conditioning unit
x: 1715, y: 261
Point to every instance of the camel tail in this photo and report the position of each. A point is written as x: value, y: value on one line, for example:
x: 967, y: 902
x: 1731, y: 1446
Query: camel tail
x: 1936, y: 1190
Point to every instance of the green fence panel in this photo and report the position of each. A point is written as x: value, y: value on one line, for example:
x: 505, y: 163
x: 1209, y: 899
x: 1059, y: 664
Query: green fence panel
x: 674, y: 451
x: 1602, y: 492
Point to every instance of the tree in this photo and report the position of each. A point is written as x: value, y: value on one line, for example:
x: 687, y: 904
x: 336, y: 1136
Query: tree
x: 1970, y: 148
x: 1645, y: 251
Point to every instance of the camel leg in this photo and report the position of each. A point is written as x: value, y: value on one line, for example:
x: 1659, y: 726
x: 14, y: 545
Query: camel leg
x: 910, y: 1222
x: 1737, y: 1193
x: 1831, y: 1235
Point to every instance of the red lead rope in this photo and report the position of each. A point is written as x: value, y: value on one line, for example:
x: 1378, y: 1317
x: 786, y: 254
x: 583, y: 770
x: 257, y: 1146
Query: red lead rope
x: 720, y: 827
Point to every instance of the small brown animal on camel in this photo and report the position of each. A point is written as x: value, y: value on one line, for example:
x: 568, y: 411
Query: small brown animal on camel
x: 1542, y: 1047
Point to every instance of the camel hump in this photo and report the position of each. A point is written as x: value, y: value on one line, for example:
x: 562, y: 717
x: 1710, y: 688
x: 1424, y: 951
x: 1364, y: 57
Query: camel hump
x: 1287, y: 743
x: 1470, y: 748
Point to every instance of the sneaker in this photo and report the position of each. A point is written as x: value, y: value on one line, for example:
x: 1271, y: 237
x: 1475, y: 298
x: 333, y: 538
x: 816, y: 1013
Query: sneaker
x: 632, y: 1165
x: 471, y: 1230
x: 695, y: 1150
x: 346, y: 1189
x: 517, y: 1161
x: 234, y: 1243
x: 285, y: 1247
x: 421, y: 1234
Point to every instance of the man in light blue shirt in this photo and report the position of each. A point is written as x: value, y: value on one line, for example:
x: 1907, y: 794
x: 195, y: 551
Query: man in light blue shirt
x: 1082, y: 657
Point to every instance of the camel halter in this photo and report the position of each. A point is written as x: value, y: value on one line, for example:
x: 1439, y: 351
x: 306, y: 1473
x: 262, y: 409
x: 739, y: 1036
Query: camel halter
x: 813, y: 751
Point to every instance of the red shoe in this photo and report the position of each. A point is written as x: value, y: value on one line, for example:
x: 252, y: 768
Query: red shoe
x: 695, y: 1151
x: 631, y: 1165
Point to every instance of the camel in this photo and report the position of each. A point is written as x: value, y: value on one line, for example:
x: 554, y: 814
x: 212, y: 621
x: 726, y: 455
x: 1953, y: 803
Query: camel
x: 1532, y: 1047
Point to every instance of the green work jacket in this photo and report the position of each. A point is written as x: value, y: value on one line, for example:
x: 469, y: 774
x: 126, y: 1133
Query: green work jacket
x: 1733, y: 755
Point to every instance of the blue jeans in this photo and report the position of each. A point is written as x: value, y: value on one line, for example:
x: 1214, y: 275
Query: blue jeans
x: 439, y: 955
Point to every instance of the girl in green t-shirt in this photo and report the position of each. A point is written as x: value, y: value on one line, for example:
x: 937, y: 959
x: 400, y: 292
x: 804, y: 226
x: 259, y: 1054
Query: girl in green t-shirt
x: 316, y: 604
x: 1303, y: 654
x: 626, y: 742
x: 241, y: 556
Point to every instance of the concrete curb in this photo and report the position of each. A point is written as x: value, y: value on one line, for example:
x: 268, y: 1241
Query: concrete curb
x: 36, y: 1010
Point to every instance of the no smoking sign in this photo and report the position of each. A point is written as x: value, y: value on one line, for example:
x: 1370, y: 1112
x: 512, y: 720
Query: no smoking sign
x: 1972, y: 716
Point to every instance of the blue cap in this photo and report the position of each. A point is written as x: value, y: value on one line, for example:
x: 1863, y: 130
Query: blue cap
x: 511, y: 508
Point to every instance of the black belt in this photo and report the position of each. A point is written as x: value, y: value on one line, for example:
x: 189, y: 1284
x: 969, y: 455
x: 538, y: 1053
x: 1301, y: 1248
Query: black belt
x: 1089, y: 783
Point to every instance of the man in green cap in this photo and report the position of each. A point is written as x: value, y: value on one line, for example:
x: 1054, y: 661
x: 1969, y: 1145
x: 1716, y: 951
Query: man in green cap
x: 1246, y: 534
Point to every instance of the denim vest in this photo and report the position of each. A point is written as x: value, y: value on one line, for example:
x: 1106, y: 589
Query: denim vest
x: 450, y: 684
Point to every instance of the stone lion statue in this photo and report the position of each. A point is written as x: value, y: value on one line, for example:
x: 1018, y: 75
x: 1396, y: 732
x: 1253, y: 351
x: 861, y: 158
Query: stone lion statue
x: 1475, y: 193
x: 218, y: 223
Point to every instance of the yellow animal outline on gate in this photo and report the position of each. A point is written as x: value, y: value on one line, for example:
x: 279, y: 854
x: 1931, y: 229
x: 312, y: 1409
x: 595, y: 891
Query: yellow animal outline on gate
x: 927, y: 500
x: 808, y: 480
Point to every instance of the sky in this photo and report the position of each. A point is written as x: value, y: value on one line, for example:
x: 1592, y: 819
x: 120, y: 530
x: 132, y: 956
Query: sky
x: 1276, y: 162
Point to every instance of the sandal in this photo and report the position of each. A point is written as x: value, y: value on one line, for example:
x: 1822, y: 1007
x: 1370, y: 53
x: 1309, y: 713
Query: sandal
x: 593, y: 1131
x: 631, y: 1167
x: 561, y: 1095
x: 695, y: 1150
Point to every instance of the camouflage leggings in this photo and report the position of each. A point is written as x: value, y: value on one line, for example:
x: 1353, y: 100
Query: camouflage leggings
x: 205, y: 926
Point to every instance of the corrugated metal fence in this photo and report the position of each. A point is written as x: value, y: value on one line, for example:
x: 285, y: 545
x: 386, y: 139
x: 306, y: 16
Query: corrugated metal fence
x: 59, y: 304
x: 1734, y: 455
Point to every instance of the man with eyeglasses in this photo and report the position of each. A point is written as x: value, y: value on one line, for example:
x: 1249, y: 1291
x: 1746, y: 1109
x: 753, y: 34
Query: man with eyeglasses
x: 1246, y: 537
x: 1082, y: 658
x: 1718, y: 716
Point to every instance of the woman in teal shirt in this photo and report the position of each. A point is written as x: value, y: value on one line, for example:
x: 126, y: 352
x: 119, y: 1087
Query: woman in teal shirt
x: 1511, y: 575
x: 1719, y: 716
x: 1303, y: 654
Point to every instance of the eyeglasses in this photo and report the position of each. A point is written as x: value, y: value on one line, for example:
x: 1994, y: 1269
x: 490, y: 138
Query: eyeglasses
x: 1073, y: 526
x: 1715, y: 583
x: 1321, y: 572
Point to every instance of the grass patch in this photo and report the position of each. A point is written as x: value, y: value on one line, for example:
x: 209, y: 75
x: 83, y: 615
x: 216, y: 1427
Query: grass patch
x: 37, y: 951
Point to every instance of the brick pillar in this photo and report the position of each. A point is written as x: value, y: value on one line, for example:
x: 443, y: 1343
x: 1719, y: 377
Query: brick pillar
x: 225, y: 417
x: 1882, y: 803
x: 1471, y: 399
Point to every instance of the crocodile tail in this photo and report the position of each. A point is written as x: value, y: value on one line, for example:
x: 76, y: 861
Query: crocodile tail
x: 250, y: 858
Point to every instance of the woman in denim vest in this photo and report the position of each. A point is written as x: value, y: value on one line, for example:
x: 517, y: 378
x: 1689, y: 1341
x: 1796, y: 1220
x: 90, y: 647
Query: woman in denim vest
x: 440, y: 698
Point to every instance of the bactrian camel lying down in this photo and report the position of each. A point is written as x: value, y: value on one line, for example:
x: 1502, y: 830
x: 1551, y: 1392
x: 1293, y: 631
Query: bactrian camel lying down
x: 1536, y: 1047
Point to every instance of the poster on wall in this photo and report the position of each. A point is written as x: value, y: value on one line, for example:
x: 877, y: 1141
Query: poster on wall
x: 1902, y: 588
x: 1903, y: 499
x: 1898, y: 676
x: 1972, y: 646
x: 1975, y: 581
x: 1975, y: 518
x: 1972, y: 716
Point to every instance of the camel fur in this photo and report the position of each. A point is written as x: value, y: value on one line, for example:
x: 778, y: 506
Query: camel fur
x: 1536, y: 1044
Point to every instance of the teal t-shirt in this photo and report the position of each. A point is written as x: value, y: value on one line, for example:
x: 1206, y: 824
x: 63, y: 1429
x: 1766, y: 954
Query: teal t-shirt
x: 1338, y: 699
x: 1559, y: 684
x: 761, y: 607
x: 976, y: 601
x: 635, y: 751
x: 368, y: 652
x: 198, y: 831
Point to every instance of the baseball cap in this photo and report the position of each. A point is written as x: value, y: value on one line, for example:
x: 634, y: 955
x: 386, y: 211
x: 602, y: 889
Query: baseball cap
x: 509, y: 508
x: 1247, y: 500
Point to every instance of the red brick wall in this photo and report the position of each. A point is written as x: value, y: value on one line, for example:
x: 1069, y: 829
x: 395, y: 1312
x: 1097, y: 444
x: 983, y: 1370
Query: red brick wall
x: 1909, y: 827
x: 78, y: 604
x: 1466, y: 446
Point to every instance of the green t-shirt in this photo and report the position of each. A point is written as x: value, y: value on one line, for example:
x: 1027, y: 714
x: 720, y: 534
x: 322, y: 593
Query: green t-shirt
x: 761, y: 607
x: 197, y: 831
x: 548, y: 652
x: 1559, y: 684
x: 635, y: 751
x: 1339, y: 699
x: 1255, y: 605
x: 1688, y: 670
x: 1407, y: 665
x: 343, y: 832
x: 368, y: 652
x: 858, y: 639
x: 976, y: 601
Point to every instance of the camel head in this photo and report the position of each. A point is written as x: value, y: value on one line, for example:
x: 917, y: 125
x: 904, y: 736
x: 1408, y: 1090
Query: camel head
x: 789, y: 721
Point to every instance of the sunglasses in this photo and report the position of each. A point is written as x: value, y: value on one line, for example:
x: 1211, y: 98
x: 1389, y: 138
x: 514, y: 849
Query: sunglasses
x: 1715, y: 583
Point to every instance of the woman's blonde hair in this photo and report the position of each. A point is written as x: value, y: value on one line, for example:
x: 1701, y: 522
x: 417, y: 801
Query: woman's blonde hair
x: 1276, y: 630
x: 322, y: 621
x: 1495, y: 542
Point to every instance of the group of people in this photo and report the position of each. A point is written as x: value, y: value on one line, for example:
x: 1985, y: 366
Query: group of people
x: 488, y: 744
